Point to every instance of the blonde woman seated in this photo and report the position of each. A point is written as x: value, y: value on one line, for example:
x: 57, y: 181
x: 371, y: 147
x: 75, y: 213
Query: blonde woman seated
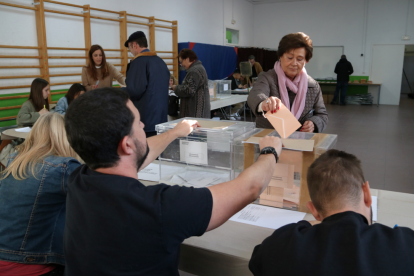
x: 33, y: 200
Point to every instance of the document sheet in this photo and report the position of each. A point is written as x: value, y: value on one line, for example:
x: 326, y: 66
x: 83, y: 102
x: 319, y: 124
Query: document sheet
x: 268, y: 217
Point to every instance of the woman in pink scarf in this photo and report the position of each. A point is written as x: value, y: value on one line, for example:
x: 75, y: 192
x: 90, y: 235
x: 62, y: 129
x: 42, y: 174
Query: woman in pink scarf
x: 289, y: 83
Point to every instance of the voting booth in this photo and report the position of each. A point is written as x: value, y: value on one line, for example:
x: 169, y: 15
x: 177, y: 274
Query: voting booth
x: 205, y: 156
x: 288, y: 187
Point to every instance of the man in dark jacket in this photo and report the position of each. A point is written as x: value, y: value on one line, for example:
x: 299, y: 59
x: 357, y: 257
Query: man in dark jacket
x: 345, y: 242
x: 147, y: 83
x: 236, y: 81
x: 342, y: 69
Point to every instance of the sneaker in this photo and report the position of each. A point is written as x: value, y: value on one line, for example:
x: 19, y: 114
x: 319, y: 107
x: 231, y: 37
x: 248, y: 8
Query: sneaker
x: 342, y: 104
x: 333, y: 103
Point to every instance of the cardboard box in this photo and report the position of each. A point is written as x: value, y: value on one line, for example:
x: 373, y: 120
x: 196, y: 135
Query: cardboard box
x: 363, y: 81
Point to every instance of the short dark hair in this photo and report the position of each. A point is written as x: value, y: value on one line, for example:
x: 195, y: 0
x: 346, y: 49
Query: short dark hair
x: 141, y: 41
x: 237, y: 71
x: 95, y: 124
x: 36, y: 94
x: 74, y: 90
x: 252, y: 57
x: 295, y: 41
x: 187, y: 53
x: 335, y: 180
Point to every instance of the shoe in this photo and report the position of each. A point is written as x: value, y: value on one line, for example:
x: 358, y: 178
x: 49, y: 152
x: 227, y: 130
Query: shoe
x: 333, y: 103
x: 342, y: 104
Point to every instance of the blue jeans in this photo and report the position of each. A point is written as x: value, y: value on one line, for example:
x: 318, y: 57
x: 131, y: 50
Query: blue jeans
x: 340, y: 85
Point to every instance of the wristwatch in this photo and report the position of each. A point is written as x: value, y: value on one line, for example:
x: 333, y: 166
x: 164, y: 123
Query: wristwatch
x: 268, y: 150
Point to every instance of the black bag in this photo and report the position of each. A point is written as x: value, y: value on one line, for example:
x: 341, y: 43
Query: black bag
x: 173, y: 105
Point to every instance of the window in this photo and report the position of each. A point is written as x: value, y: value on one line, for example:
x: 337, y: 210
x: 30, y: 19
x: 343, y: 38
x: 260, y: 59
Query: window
x: 232, y: 36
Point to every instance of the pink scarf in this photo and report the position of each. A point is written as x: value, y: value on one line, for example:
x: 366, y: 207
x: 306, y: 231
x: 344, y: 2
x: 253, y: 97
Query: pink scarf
x: 299, y: 86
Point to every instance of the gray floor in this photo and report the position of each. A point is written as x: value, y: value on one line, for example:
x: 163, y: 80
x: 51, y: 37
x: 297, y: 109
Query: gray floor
x: 382, y: 138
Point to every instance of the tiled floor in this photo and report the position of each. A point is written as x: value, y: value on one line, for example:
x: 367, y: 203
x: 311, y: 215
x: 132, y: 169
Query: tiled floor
x: 382, y: 138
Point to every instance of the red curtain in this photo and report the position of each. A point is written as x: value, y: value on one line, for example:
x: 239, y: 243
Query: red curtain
x: 266, y: 58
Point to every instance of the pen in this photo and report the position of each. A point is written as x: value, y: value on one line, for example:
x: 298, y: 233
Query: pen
x: 97, y: 83
x: 395, y: 226
x: 307, y: 114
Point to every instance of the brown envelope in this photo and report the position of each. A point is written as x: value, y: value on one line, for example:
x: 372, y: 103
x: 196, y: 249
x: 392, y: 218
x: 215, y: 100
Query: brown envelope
x: 283, y: 121
x: 283, y: 176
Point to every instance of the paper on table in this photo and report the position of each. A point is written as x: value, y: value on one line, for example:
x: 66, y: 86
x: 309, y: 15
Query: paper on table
x: 283, y: 121
x: 374, y: 207
x: 152, y: 172
x: 292, y: 144
x: 225, y: 87
x: 23, y: 129
x: 268, y: 217
x: 193, y: 152
x: 198, y: 178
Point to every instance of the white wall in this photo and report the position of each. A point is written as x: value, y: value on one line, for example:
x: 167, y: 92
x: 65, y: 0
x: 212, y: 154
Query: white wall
x: 337, y: 23
x: 198, y: 21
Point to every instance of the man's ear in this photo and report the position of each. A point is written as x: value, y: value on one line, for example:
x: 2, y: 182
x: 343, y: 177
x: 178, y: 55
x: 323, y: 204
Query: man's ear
x: 124, y: 147
x: 367, y: 194
x: 313, y: 210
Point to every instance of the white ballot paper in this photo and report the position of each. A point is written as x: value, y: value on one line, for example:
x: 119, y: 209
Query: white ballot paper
x: 374, y: 207
x: 23, y: 129
x: 225, y: 87
x: 199, y: 179
x: 152, y: 172
x: 268, y: 217
x: 193, y: 152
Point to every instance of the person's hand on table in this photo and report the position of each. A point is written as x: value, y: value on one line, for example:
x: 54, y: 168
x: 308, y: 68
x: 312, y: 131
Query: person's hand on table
x: 271, y: 104
x: 271, y: 141
x: 245, y: 86
x: 94, y: 86
x: 43, y: 111
x: 308, y: 126
x: 185, y: 127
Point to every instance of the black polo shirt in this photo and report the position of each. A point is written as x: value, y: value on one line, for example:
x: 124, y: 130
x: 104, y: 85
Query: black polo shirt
x: 343, y: 244
x: 117, y: 226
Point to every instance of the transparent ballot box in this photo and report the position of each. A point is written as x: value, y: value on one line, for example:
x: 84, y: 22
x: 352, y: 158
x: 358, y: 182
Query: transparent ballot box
x: 219, y: 89
x: 288, y: 187
x: 205, y: 156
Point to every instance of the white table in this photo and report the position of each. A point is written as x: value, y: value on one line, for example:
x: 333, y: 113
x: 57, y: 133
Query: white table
x: 227, y: 249
x: 230, y: 100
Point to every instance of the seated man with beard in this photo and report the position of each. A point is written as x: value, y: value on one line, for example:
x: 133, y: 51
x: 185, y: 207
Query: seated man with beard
x: 117, y: 226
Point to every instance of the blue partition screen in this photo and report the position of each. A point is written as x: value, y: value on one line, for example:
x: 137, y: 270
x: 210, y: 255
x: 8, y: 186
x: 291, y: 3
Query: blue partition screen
x: 219, y: 61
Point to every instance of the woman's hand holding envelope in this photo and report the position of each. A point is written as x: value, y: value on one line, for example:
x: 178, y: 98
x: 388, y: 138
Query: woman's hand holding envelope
x: 271, y: 104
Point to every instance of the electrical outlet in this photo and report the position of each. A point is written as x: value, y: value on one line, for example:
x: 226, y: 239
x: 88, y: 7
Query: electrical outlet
x: 406, y: 37
x: 233, y: 21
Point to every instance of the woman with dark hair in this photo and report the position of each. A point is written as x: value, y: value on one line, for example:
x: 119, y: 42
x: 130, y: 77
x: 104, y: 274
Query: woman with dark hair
x: 36, y: 105
x: 193, y: 92
x: 74, y: 91
x: 288, y: 83
x: 99, y: 73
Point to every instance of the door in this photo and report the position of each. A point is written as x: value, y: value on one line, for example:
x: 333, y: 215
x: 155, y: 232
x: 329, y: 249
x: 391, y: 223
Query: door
x: 386, y: 68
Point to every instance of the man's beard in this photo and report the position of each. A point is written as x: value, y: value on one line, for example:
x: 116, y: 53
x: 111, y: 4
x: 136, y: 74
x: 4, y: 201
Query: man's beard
x: 140, y: 154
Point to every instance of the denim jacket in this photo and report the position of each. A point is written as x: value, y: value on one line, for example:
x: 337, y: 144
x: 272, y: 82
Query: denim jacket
x: 32, y: 213
x: 62, y: 105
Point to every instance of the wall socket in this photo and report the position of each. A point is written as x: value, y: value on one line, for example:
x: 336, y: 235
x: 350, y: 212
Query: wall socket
x: 405, y: 37
x: 233, y: 21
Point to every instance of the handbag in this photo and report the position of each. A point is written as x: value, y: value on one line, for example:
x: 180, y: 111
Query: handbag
x: 173, y: 105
